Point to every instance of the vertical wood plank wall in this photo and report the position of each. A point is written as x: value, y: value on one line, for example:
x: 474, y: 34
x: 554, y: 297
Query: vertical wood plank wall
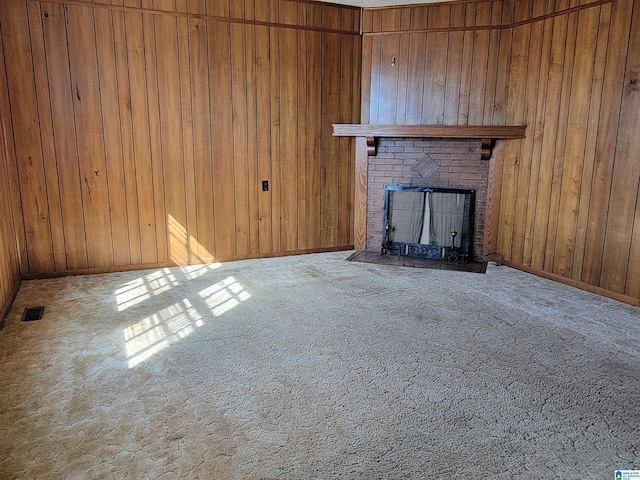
x: 9, y: 255
x: 143, y: 129
x: 568, y: 69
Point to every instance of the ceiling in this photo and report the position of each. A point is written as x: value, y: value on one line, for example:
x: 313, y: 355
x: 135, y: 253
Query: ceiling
x: 380, y: 3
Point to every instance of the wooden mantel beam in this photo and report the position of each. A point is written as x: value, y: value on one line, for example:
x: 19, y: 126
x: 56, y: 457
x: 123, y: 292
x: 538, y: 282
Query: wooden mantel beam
x: 487, y: 134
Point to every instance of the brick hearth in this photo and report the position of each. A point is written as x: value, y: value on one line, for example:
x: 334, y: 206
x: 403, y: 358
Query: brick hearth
x: 458, y: 165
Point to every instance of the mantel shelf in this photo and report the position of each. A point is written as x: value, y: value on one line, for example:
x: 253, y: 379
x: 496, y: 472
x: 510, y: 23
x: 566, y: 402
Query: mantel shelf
x: 487, y: 134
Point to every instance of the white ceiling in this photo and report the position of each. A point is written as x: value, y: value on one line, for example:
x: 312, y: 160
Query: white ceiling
x: 380, y: 3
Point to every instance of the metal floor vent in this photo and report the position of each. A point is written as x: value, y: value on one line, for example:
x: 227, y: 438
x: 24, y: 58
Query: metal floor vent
x: 33, y: 313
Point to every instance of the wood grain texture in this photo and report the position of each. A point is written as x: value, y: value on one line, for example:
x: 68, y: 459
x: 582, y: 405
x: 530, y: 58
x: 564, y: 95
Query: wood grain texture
x: 143, y: 129
x: 9, y: 254
x: 568, y: 193
x: 435, y: 131
x: 581, y: 208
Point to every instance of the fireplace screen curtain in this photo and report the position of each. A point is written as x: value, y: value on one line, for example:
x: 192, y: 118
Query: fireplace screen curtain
x: 426, y: 217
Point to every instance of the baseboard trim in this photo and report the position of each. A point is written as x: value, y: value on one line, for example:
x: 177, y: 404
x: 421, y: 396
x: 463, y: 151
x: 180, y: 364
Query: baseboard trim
x: 151, y: 266
x: 574, y: 283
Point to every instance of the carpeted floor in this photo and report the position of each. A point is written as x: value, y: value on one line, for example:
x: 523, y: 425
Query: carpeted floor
x: 315, y: 367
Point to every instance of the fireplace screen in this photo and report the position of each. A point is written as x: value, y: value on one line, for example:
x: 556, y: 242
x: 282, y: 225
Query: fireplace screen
x: 428, y: 222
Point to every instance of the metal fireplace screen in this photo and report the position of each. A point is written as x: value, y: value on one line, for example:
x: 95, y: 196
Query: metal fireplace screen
x: 429, y: 222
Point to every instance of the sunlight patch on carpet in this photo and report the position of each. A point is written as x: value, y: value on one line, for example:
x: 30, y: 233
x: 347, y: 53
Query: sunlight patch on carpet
x: 156, y: 332
x: 143, y: 288
x: 225, y: 295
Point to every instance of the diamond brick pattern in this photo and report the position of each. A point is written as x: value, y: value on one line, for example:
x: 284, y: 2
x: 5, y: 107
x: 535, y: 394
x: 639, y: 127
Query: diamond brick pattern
x: 425, y: 166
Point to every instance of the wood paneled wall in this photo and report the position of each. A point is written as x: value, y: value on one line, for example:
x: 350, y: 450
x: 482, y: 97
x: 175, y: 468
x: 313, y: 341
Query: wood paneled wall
x: 143, y: 129
x: 569, y: 71
x: 450, y: 67
x: 9, y: 256
x: 570, y: 189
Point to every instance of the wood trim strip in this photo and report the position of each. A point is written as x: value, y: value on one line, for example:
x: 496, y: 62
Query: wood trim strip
x: 150, y: 266
x: 213, y: 18
x: 361, y: 185
x: 507, y: 26
x: 433, y: 131
x: 574, y: 283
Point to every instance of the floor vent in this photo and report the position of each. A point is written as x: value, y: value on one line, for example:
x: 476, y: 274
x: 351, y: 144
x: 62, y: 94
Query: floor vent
x: 32, y: 314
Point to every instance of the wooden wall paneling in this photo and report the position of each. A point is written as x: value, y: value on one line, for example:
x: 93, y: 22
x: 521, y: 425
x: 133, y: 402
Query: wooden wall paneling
x: 492, y: 65
x: 606, y: 141
x: 573, y: 168
x: 222, y: 139
x: 141, y: 122
x: 355, y: 114
x: 172, y: 144
x: 454, y: 66
x: 314, y: 141
x: 494, y: 198
x: 240, y: 137
x: 89, y: 134
x: 467, y: 65
x: 112, y: 128
x: 479, y: 68
x: 46, y: 135
x: 552, y: 108
x: 9, y: 268
x: 167, y: 121
x: 126, y: 134
x: 402, y: 64
x: 158, y: 233
x: 561, y: 138
x: 330, y: 105
x: 220, y: 8
x: 536, y: 130
x: 628, y: 149
x: 8, y: 146
x: 345, y: 160
x: 288, y: 143
x: 202, y: 142
x: 367, y: 20
x: 621, y: 268
x: 184, y: 62
x: 263, y: 137
x: 27, y: 144
x: 301, y: 128
x: 388, y: 68
x: 367, y: 69
x: 436, y: 67
x: 9, y: 255
x: 375, y: 87
x: 240, y: 131
x: 64, y: 130
x: 253, y: 183
x: 261, y: 10
x: 504, y: 60
x: 276, y: 184
x: 416, y: 77
x: 515, y: 115
x: 524, y: 181
x: 590, y: 142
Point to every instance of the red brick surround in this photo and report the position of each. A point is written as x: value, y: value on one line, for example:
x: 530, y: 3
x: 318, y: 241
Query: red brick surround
x: 459, y: 166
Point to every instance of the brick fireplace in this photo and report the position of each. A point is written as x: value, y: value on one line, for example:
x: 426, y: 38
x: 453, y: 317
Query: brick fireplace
x: 421, y: 162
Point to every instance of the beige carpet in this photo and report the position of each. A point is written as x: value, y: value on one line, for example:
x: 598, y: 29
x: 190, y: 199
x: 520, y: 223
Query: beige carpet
x: 314, y: 367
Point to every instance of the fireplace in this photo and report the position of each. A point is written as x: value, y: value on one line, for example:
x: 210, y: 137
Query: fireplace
x: 429, y: 222
x: 428, y: 162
